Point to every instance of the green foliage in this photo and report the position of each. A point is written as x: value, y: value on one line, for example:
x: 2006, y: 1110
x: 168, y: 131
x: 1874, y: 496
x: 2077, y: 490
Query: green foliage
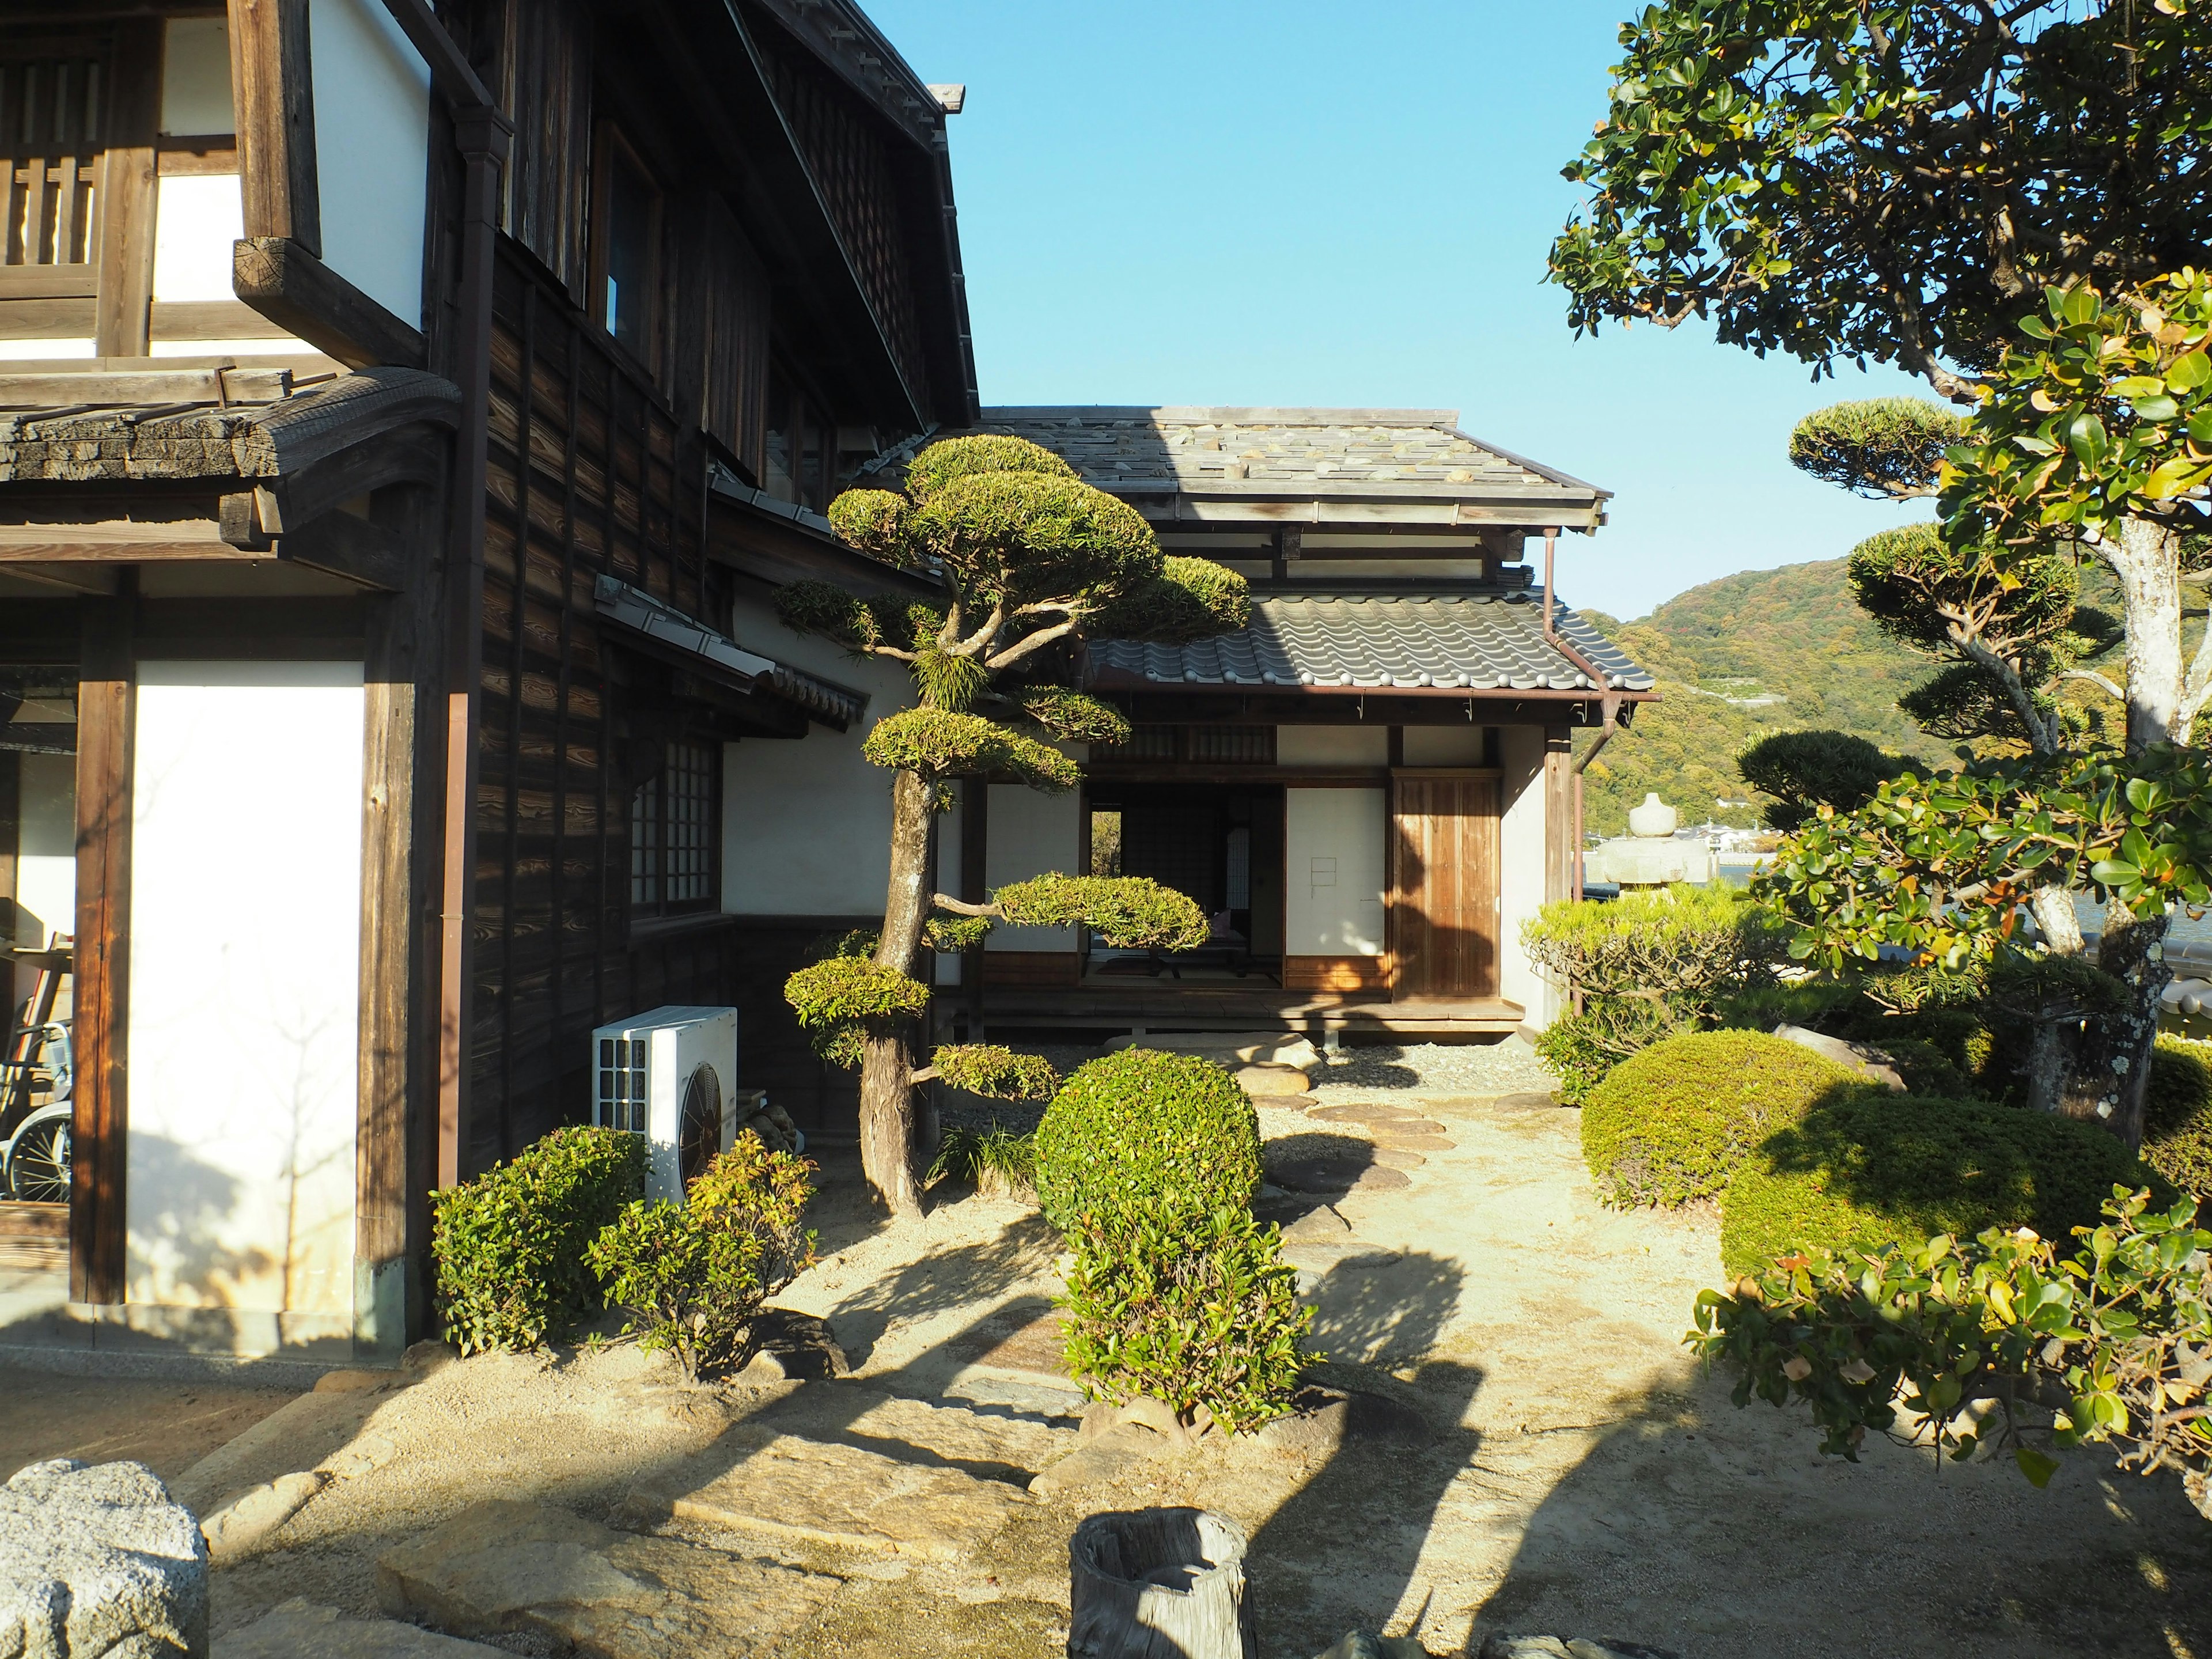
x: 1131, y: 913
x: 1142, y: 1130
x: 1189, y: 599
x: 953, y: 934
x: 1906, y: 579
x: 1881, y: 447
x: 693, y: 1275
x: 1197, y: 1309
x: 969, y: 1155
x: 857, y: 622
x: 1836, y: 179
x: 2119, y: 1329
x: 1028, y: 536
x: 946, y: 680
x: 1857, y: 1174
x: 951, y: 458
x: 939, y: 743
x: 1804, y: 771
x: 2177, y: 1114
x: 1941, y: 865
x: 875, y: 521
x: 509, y: 1247
x: 2104, y: 413
x: 1580, y: 1047
x: 1675, y: 1122
x: 986, y: 1068
x: 1072, y: 716
x: 849, y: 990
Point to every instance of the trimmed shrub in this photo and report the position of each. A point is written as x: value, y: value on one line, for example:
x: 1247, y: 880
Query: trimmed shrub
x: 1579, y: 1049
x: 1674, y: 1123
x: 1165, y: 1134
x: 1857, y: 1174
x: 1196, y: 1310
x: 693, y: 1275
x: 509, y: 1247
x: 2177, y: 1114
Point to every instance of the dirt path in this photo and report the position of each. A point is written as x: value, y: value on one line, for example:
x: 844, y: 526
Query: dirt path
x: 1567, y: 1470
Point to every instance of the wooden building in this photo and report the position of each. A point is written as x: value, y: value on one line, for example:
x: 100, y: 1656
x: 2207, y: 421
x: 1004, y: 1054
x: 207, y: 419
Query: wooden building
x: 405, y: 414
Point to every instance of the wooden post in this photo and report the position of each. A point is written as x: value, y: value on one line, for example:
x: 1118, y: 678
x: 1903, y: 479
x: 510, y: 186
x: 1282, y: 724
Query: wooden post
x: 272, y: 85
x: 122, y: 311
x: 107, y: 707
x: 1165, y: 1584
x: 1558, y: 813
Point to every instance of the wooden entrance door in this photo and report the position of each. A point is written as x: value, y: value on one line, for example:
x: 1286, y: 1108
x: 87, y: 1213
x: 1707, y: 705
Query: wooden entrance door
x: 1443, y: 885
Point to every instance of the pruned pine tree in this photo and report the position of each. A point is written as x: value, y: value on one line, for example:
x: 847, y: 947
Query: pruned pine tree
x: 1032, y: 560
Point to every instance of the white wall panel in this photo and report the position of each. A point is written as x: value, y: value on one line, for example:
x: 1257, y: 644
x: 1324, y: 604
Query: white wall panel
x: 372, y: 151
x: 1030, y: 834
x: 1333, y: 745
x: 46, y: 848
x: 245, y: 985
x: 196, y: 77
x: 1521, y: 868
x: 1335, y: 872
x: 1443, y: 745
x: 197, y: 218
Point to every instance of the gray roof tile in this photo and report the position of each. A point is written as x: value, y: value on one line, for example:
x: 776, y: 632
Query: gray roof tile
x: 1476, y: 641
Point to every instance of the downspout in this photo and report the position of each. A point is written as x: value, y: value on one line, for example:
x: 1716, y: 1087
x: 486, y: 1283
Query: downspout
x: 1597, y: 677
x: 482, y: 136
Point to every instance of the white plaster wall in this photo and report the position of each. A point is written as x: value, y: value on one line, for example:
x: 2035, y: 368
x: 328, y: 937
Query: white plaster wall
x: 1443, y: 745
x: 196, y: 77
x: 45, y: 850
x: 1030, y: 834
x: 1521, y: 868
x: 1333, y: 745
x: 1333, y: 872
x: 806, y: 823
x: 197, y: 218
x: 245, y: 985
x: 372, y: 151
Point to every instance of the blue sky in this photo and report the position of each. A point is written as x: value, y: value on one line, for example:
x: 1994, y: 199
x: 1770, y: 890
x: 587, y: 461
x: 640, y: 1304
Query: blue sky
x: 1300, y: 203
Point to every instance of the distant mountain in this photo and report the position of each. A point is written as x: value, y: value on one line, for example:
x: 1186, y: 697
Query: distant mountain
x: 1764, y: 651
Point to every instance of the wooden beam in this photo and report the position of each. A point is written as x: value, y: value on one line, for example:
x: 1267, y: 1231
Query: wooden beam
x: 115, y: 541
x: 354, y: 549
x: 272, y: 87
x: 106, y: 707
x: 450, y: 71
x: 1558, y: 813
x: 95, y: 383
x: 70, y: 578
x: 126, y: 196
x: 288, y: 282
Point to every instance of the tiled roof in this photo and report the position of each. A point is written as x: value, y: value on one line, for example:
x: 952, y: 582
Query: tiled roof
x: 1476, y: 641
x: 1405, y: 455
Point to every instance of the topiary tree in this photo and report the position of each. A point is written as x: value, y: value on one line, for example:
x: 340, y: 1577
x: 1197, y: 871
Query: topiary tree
x: 1804, y: 771
x: 1030, y: 561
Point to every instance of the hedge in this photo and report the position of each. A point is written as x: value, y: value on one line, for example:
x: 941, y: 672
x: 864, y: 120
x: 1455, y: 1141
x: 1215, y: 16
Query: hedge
x: 1141, y: 1129
x: 2177, y: 1114
x: 1673, y: 1123
x: 1859, y: 1173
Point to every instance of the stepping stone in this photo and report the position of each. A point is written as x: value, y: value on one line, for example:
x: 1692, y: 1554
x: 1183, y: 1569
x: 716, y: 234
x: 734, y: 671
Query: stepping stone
x: 841, y: 1496
x: 1380, y: 1180
x: 1382, y: 1120
x: 1392, y: 1157
x: 1414, y: 1143
x: 1271, y: 1083
x: 1528, y: 1101
x: 1107, y: 1456
x: 299, y: 1627
x: 502, y: 1568
x: 1320, y: 1226
x: 1033, y: 1349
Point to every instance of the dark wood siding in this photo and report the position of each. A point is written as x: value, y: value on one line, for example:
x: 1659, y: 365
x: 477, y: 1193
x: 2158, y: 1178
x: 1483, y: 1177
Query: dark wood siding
x: 1443, y: 885
x: 543, y: 83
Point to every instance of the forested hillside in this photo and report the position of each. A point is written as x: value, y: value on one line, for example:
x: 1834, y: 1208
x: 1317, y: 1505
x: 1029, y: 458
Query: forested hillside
x: 1764, y: 651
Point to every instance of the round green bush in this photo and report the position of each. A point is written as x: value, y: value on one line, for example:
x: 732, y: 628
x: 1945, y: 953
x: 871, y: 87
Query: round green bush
x: 1672, y: 1123
x: 1897, y: 1169
x: 2177, y: 1114
x: 1143, y: 1130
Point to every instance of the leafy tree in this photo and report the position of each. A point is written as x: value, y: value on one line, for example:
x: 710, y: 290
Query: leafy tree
x: 1900, y: 180
x: 1805, y: 771
x: 1031, y: 560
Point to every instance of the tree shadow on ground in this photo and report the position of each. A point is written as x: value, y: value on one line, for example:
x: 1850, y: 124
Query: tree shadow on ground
x: 955, y: 1278
x: 1341, y: 1552
x: 1695, y: 1527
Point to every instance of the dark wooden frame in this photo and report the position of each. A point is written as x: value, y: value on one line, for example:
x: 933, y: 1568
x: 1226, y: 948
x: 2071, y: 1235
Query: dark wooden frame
x: 608, y: 141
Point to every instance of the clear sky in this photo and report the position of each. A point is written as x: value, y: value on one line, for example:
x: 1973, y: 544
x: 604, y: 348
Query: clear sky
x: 1256, y: 202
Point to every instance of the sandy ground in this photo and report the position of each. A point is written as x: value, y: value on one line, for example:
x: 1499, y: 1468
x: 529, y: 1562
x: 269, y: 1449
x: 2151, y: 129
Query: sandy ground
x: 1577, y: 1475
x: 166, y: 1426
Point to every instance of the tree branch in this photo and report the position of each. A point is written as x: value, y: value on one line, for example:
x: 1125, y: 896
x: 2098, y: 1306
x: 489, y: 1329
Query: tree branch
x: 979, y: 642
x: 2041, y: 736
x: 1037, y: 642
x: 962, y: 908
x: 2096, y: 679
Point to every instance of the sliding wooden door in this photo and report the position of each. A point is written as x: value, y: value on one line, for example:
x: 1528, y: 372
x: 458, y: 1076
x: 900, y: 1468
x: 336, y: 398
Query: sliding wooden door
x: 1443, y: 885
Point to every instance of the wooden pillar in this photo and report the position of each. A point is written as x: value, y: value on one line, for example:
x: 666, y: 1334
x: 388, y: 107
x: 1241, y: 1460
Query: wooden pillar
x: 1558, y: 813
x: 106, y: 709
x: 122, y: 309
x: 273, y: 85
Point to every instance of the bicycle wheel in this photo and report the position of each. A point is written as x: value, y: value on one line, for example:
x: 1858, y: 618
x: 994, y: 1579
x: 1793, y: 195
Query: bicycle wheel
x: 39, y: 1162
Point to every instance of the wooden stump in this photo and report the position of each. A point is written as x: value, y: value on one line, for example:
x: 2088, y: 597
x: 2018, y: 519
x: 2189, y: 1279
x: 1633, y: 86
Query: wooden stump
x: 1163, y: 1583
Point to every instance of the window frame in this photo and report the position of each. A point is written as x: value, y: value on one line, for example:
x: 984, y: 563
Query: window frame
x: 608, y: 144
x: 657, y: 905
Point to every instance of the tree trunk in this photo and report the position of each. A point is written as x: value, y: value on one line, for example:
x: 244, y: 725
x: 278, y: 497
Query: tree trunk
x: 2147, y: 557
x: 887, y: 1141
x: 2133, y: 951
x: 1158, y: 1584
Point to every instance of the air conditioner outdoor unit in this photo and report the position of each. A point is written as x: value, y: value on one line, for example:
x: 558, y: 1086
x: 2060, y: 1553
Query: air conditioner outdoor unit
x: 669, y: 1075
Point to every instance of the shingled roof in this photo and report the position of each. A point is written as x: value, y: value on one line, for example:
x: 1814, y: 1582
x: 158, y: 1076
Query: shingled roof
x: 1480, y: 640
x: 1415, y: 465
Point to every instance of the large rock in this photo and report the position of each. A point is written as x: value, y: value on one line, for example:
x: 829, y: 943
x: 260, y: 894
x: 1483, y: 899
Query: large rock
x: 502, y: 1568
x: 244, y: 1520
x: 845, y: 1497
x: 1872, y: 1064
x: 299, y: 1628
x: 1230, y: 1049
x: 1502, y: 1646
x: 99, y: 1561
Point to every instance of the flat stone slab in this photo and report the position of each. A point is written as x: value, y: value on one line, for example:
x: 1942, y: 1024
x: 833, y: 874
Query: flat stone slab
x: 1270, y: 1082
x: 299, y: 1628
x: 1396, y: 1157
x: 1383, y: 1119
x: 1328, y: 1174
x: 1414, y: 1143
x: 843, y: 1496
x: 1029, y: 1347
x: 1107, y: 1456
x: 1528, y: 1100
x: 1320, y: 1226
x: 97, y: 1559
x: 1502, y: 1646
x: 501, y: 1568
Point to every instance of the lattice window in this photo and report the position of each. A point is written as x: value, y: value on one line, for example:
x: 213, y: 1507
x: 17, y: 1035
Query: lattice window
x: 52, y: 111
x: 673, y: 824
x: 1233, y: 746
x: 1147, y: 743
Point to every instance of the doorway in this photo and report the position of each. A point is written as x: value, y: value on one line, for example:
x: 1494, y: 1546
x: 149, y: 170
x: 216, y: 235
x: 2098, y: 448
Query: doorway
x: 1443, y: 885
x: 1219, y: 845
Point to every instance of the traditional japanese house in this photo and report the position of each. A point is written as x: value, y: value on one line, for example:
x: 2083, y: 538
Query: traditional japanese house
x: 406, y: 416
